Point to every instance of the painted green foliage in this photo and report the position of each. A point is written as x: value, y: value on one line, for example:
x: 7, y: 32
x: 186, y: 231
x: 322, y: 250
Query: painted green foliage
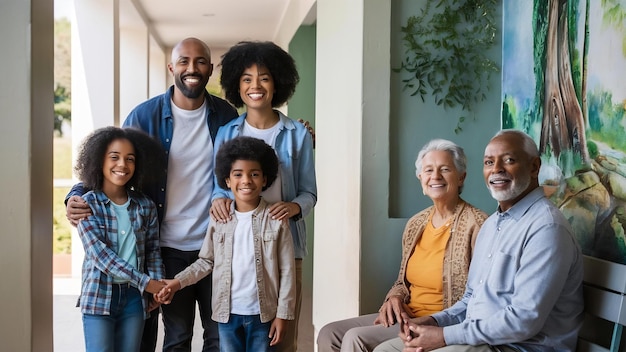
x: 445, y: 52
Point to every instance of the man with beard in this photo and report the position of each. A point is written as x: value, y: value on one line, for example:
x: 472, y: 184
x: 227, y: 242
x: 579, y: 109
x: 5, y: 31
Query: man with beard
x: 524, y: 287
x: 185, y: 119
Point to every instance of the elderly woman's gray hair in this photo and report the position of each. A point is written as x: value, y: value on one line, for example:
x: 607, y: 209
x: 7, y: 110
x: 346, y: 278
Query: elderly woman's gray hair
x: 457, y: 153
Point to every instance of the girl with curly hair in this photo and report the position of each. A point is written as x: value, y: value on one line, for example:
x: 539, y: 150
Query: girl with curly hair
x: 121, y: 239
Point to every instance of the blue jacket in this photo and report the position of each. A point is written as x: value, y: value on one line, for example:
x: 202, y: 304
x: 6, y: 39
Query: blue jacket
x: 154, y: 116
x: 294, y: 147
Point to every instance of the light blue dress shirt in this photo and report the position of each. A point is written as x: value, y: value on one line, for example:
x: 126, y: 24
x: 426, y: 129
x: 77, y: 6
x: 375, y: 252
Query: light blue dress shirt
x: 525, y: 282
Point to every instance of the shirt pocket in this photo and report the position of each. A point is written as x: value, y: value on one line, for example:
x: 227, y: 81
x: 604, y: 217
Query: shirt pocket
x: 502, y: 272
x: 270, y: 235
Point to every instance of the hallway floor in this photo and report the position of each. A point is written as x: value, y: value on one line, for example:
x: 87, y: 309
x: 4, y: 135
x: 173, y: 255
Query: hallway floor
x: 68, y: 332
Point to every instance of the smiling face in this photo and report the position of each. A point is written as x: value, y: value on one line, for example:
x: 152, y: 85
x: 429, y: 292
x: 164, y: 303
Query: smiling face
x: 256, y: 87
x: 118, y: 166
x: 191, y: 68
x: 510, y: 173
x: 246, y: 181
x: 439, y: 176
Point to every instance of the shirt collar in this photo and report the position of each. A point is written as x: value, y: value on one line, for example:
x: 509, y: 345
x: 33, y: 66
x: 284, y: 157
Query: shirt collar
x: 521, y: 207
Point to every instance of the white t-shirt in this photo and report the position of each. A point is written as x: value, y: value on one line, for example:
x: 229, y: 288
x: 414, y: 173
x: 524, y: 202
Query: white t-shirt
x: 189, y: 181
x: 243, y: 289
x: 274, y: 193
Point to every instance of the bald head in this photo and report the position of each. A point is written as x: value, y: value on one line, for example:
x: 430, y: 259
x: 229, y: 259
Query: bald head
x: 525, y: 141
x: 190, y: 43
x: 511, y: 167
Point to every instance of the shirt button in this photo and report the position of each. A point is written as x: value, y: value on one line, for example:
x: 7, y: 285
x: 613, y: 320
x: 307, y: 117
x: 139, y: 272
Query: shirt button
x: 160, y: 205
x: 480, y: 282
x: 123, y: 232
x: 489, y: 256
x: 167, y: 140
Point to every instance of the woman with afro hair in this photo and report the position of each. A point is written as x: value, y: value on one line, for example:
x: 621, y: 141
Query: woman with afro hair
x: 261, y: 77
x: 121, y: 239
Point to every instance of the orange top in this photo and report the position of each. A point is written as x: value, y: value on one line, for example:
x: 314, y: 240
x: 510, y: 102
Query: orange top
x: 425, y: 270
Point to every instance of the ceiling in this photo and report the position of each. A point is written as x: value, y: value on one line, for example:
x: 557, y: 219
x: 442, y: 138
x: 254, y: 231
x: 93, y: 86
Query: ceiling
x: 220, y: 23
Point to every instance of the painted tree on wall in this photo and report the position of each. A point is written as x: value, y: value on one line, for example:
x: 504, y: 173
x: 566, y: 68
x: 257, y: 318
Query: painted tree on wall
x: 562, y: 83
x: 563, y: 125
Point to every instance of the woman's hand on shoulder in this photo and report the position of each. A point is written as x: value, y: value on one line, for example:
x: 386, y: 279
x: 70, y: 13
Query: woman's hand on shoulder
x: 284, y: 210
x: 391, y: 311
x: 220, y: 209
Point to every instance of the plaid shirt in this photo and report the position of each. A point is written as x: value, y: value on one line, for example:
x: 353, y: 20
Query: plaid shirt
x: 99, y: 236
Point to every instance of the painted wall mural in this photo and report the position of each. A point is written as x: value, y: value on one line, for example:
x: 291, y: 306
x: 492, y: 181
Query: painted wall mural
x: 564, y: 83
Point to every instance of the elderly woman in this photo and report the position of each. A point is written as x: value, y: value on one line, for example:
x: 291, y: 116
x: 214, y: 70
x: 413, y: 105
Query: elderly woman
x: 437, y: 247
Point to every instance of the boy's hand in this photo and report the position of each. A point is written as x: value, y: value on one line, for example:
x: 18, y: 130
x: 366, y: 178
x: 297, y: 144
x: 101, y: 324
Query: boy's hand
x: 166, y: 294
x: 277, y: 331
x: 220, y: 209
x: 76, y: 210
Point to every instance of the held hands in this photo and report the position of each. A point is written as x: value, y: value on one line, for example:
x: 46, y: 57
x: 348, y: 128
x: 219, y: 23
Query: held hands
x: 421, y: 334
x: 284, y: 210
x: 76, y: 210
x: 391, y: 312
x: 277, y: 331
x: 166, y: 294
x: 154, y: 286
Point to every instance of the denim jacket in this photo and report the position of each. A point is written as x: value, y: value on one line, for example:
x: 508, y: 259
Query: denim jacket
x: 294, y: 147
x: 275, y: 266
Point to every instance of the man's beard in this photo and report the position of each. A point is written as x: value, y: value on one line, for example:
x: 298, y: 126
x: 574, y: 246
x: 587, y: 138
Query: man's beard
x: 191, y: 93
x: 517, y: 187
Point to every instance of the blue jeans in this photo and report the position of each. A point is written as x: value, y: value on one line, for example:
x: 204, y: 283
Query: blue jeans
x: 245, y: 333
x: 121, y: 331
x: 179, y: 316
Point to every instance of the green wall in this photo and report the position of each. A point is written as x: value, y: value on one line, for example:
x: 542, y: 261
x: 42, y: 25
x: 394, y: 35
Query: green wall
x: 302, y: 106
x: 412, y: 123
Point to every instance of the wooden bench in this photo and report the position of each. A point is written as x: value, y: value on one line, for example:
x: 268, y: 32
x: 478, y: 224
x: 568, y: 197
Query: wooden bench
x: 605, y: 306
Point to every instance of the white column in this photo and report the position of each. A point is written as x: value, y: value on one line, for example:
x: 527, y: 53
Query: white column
x: 339, y: 115
x: 133, y: 67
x: 95, y: 71
x: 26, y: 102
x: 352, y: 158
x: 157, y: 69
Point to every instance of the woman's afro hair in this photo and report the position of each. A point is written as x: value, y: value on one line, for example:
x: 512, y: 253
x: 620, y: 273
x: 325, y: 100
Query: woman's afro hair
x: 280, y: 64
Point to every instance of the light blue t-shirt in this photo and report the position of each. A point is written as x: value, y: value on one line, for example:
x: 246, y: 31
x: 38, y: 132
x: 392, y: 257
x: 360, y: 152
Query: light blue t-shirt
x: 126, y: 242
